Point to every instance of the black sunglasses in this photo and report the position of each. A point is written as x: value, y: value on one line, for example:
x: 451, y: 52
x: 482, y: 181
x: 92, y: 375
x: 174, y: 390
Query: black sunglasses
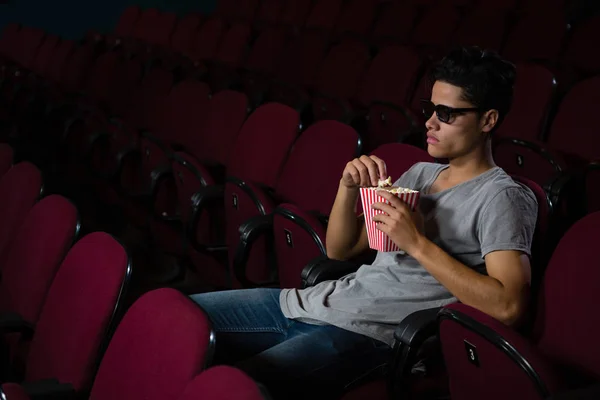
x: 443, y: 113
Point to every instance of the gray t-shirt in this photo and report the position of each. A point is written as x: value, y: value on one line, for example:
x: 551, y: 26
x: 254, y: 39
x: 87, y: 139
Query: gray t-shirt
x: 488, y: 213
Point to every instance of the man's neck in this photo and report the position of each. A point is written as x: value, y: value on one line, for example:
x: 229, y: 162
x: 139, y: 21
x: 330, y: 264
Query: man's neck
x: 471, y: 165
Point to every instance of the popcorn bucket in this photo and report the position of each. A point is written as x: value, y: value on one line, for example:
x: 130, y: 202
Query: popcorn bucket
x: 377, y: 239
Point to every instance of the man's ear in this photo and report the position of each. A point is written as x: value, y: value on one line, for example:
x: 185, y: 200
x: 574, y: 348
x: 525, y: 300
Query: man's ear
x: 489, y: 120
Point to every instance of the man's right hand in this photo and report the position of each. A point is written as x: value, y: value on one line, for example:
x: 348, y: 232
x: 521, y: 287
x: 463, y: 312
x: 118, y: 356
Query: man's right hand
x: 365, y: 171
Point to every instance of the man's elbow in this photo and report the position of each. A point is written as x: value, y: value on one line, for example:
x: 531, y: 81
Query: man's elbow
x: 512, y: 312
x: 336, y: 255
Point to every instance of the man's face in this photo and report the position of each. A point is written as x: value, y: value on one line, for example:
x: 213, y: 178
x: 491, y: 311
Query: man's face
x: 463, y: 133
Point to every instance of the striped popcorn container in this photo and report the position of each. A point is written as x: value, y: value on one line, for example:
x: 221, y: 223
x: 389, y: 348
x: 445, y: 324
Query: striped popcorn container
x: 377, y: 239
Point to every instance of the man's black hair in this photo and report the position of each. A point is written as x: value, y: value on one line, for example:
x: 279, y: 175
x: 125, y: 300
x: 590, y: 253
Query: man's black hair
x: 486, y: 79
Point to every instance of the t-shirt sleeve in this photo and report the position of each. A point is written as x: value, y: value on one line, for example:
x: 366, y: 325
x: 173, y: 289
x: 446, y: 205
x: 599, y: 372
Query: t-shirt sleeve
x: 508, y: 221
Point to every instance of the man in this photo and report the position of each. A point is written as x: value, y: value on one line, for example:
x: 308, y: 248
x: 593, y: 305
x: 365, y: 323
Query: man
x: 470, y: 242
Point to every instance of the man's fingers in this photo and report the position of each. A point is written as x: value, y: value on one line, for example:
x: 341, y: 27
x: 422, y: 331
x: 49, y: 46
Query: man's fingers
x: 365, y: 178
x: 394, y: 200
x: 381, y: 166
x: 386, y: 208
x: 372, y: 168
x: 353, y: 173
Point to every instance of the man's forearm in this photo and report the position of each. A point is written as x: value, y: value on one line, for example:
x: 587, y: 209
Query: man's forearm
x: 342, y: 232
x: 482, y: 292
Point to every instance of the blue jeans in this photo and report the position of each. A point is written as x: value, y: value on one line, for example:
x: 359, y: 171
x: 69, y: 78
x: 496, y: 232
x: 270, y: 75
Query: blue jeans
x: 292, y: 359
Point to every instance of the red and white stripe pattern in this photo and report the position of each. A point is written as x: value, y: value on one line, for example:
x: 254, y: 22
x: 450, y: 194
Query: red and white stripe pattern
x: 377, y: 239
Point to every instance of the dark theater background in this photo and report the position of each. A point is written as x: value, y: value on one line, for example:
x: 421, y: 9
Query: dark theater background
x: 154, y: 149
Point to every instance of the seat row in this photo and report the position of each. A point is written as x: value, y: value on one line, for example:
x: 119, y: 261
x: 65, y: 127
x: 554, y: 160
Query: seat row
x: 62, y: 298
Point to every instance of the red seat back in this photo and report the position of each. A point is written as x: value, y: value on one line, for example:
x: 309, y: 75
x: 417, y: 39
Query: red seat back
x: 207, y: 39
x: 58, y: 60
x: 391, y: 76
x: 310, y: 176
x: 483, y: 27
x: 537, y: 36
x: 263, y: 143
x: 565, y: 317
x: 127, y: 21
x: 31, y: 40
x: 165, y: 24
x: 183, y: 34
x: 40, y: 243
x: 82, y: 301
x: 9, y: 39
x: 100, y: 77
x: 163, y: 341
x: 570, y: 133
x: 73, y: 74
x: 269, y: 12
x: 577, y: 54
x: 227, y: 112
x: 233, y: 46
x: 295, y: 12
x: 21, y: 187
x: 299, y: 62
x: 534, y: 95
x: 342, y: 69
x: 436, y: 27
x: 356, y: 18
x: 395, y: 23
x: 324, y: 15
x: 222, y: 383
x: 265, y: 51
x: 44, y: 54
x: 146, y: 24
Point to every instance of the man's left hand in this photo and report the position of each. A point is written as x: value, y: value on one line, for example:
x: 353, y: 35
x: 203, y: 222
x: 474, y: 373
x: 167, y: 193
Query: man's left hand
x: 403, y: 226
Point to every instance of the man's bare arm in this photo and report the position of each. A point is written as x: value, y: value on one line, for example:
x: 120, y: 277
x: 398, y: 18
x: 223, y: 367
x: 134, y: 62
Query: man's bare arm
x: 346, y: 234
x: 503, y: 294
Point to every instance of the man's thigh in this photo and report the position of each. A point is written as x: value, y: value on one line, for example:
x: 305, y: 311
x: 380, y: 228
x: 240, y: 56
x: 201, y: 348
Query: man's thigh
x: 246, y: 321
x: 315, y: 361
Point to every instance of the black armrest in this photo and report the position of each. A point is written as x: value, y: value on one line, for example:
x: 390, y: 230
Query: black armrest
x: 410, y: 335
x: 115, y: 121
x: 49, y: 389
x: 566, y: 183
x: 170, y: 218
x: 11, y: 322
x: 346, y: 110
x: 207, y: 196
x: 324, y: 269
x: 174, y: 221
x: 93, y: 138
x: 202, y: 200
x: 567, y: 199
x: 158, y: 174
x: 417, y: 327
x: 120, y: 159
x: 127, y: 152
x: 249, y: 232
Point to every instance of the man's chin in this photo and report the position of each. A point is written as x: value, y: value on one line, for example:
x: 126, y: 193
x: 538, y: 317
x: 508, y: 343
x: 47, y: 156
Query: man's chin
x: 435, y: 152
